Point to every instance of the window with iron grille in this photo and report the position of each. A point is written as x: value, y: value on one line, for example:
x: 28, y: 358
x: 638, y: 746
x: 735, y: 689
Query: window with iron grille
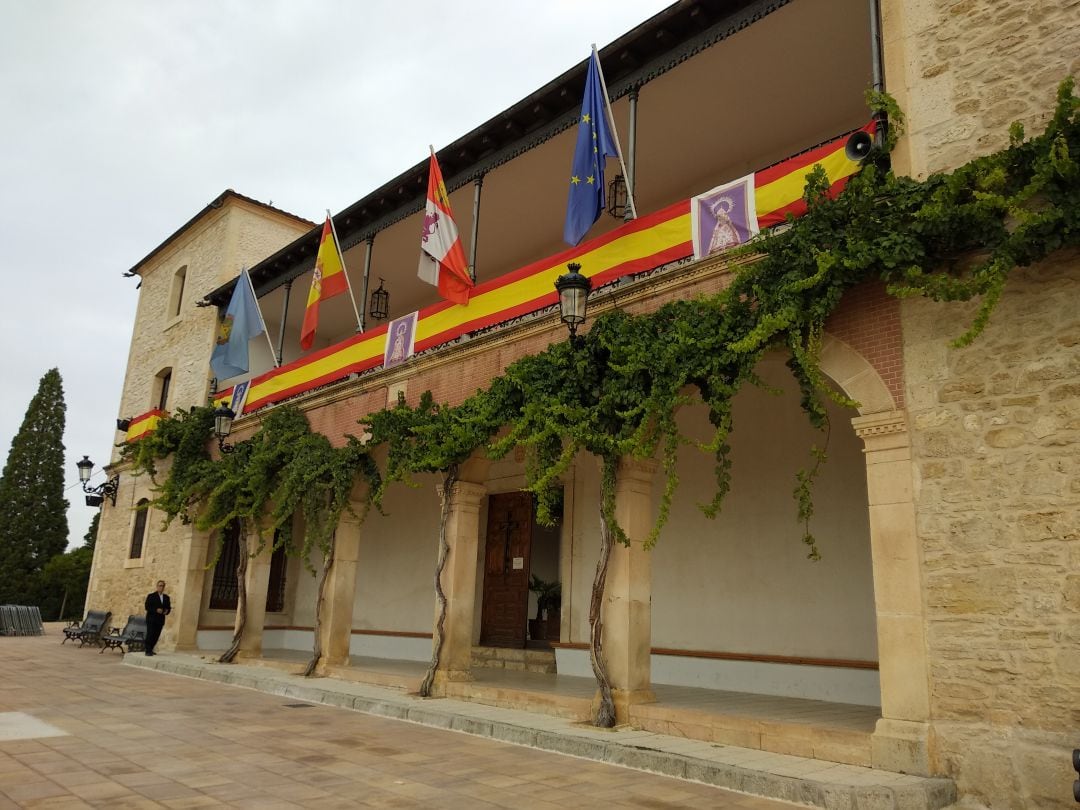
x: 223, y: 590
x: 275, y: 591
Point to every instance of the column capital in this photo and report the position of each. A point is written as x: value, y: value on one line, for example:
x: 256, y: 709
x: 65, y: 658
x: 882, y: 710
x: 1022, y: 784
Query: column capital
x: 642, y: 469
x: 883, y: 431
x: 464, y: 494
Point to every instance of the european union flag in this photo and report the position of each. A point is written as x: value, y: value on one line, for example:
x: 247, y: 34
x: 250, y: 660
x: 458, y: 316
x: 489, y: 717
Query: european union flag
x: 241, y: 323
x: 594, y: 145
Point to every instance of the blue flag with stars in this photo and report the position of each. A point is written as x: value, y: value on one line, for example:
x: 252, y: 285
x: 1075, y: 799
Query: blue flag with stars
x: 594, y: 145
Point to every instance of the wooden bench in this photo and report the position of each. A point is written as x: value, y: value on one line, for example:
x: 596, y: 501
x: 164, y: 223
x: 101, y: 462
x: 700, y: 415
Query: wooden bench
x: 89, y: 630
x: 133, y: 636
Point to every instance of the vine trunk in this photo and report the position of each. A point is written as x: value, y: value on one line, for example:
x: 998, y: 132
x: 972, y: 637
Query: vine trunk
x: 320, y: 600
x: 241, y: 598
x: 440, y: 596
x: 605, y: 713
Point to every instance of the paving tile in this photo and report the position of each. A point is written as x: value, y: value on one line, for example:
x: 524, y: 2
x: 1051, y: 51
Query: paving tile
x: 139, y: 738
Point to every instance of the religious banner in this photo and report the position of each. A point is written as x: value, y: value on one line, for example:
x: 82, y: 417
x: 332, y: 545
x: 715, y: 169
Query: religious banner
x: 723, y: 217
x: 400, y: 340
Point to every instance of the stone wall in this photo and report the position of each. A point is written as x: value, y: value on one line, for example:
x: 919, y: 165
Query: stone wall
x: 213, y: 251
x: 996, y: 453
x: 963, y: 70
x: 213, y: 248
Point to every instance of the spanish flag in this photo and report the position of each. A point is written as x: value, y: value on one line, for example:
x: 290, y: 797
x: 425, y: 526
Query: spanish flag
x: 329, y: 280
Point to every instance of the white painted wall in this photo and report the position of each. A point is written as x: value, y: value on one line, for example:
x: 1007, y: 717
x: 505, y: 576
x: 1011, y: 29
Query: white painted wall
x: 398, y: 647
x: 834, y: 684
x: 742, y: 583
x: 395, y: 582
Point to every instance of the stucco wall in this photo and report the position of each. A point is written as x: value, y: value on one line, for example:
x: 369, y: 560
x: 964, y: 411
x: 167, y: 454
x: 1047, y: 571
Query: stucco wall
x: 996, y: 448
x: 394, y: 586
x: 746, y: 574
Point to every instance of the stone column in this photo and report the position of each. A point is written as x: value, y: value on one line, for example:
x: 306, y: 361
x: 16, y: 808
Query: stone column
x: 257, y: 581
x: 340, y: 593
x: 459, y: 581
x: 902, y: 740
x: 187, y: 591
x: 627, y: 611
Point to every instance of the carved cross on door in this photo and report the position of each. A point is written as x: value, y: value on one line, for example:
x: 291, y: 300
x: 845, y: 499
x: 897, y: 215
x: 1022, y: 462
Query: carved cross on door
x: 509, y: 526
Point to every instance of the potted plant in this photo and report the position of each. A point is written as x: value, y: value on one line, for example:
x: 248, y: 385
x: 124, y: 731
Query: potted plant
x: 545, y: 626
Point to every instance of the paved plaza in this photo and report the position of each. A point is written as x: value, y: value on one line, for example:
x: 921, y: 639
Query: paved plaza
x: 80, y: 729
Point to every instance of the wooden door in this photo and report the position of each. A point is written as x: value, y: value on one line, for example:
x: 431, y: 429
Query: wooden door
x: 504, y: 615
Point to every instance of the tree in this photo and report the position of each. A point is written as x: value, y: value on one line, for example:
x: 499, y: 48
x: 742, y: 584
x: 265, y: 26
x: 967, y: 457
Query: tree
x: 90, y: 538
x: 63, y: 583
x: 33, y: 520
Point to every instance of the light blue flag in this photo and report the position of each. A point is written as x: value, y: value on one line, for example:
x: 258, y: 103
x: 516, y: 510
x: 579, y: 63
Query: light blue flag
x: 595, y: 143
x: 241, y: 323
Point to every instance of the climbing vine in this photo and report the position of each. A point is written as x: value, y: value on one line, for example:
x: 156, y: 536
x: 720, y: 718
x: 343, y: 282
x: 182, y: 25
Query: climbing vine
x: 616, y: 391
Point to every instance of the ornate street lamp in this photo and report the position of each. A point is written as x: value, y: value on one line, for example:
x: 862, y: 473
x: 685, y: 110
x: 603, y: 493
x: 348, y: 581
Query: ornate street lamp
x: 380, y: 303
x: 616, y: 194
x: 95, y: 496
x: 573, y: 298
x: 223, y: 419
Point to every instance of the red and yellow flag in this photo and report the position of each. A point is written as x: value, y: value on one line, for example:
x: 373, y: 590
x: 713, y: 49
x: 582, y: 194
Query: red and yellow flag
x: 328, y: 280
x: 442, y: 259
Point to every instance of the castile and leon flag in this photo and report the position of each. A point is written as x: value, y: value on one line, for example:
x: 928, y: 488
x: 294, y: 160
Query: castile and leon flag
x: 442, y: 258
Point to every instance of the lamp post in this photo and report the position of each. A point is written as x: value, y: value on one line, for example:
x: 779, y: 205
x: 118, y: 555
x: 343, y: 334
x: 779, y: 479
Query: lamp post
x: 223, y: 419
x: 573, y: 298
x: 95, y: 496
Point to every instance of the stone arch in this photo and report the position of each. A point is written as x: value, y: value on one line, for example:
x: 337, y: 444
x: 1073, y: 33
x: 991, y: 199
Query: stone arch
x: 855, y: 376
x: 901, y: 741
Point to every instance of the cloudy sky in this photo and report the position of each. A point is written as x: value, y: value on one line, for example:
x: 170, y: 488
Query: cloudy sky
x: 121, y: 119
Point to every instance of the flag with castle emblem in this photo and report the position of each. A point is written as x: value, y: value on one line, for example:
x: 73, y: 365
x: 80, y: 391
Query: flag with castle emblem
x: 595, y: 143
x: 241, y: 323
x: 442, y: 259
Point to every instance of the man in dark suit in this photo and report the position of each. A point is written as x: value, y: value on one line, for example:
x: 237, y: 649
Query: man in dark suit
x: 158, y: 607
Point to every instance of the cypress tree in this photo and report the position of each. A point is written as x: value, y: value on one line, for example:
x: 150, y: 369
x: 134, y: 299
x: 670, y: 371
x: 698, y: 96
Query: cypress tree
x: 33, y: 515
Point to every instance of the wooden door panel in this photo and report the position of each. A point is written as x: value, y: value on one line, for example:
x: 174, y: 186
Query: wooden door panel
x: 504, y: 615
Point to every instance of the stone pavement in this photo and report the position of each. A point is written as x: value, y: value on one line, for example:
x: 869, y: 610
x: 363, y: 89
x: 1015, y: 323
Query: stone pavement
x: 80, y: 729
x: 134, y: 738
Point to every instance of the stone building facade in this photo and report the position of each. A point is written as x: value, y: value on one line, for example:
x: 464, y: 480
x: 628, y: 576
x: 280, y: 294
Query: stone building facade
x: 949, y: 607
x: 167, y: 368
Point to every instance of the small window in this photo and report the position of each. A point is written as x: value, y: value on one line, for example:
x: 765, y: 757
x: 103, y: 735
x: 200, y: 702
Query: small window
x: 176, y: 295
x: 161, y: 387
x: 139, y: 533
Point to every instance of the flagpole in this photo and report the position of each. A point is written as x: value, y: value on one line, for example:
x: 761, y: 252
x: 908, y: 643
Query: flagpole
x: 614, y: 129
x: 262, y: 321
x: 345, y: 272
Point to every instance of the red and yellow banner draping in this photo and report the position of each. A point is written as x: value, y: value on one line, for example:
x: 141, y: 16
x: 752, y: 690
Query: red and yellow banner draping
x: 642, y: 244
x: 142, y: 425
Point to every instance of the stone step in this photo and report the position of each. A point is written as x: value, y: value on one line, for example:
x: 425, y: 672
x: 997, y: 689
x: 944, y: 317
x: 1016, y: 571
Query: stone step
x: 515, y: 660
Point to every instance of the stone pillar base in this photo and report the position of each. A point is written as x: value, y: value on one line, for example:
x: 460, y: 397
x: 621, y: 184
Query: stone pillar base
x: 623, y: 700
x: 903, y: 746
x: 444, y: 676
